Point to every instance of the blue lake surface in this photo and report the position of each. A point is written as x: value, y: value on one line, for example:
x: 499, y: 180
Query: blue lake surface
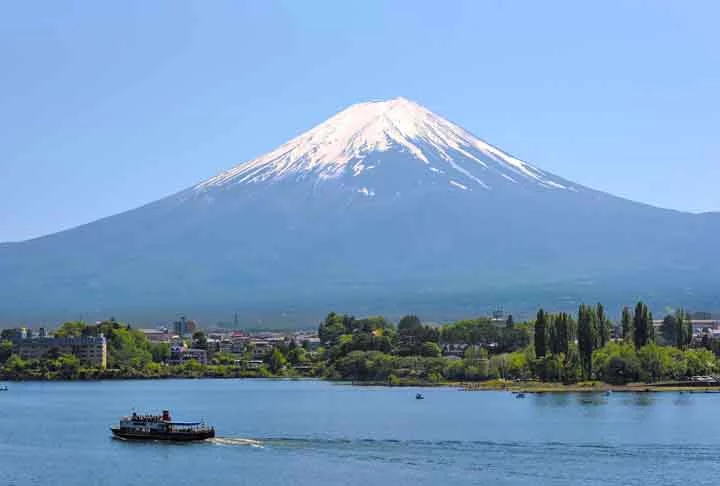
x: 318, y: 433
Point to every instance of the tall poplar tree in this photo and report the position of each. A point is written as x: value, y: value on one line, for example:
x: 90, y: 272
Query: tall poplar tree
x: 644, y: 332
x: 562, y: 333
x: 672, y: 331
x: 540, y: 334
x: 586, y: 337
x: 683, y: 329
x: 627, y: 329
x: 603, y: 326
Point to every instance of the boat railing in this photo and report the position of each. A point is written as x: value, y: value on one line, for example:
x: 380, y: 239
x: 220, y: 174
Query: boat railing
x: 188, y: 426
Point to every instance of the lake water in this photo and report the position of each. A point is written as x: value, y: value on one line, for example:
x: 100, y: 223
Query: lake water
x: 318, y: 433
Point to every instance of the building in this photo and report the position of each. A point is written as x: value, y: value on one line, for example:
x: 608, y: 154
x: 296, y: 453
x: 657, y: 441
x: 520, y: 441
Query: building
x: 184, y: 327
x: 454, y: 349
x: 254, y: 364
x: 90, y: 350
x: 261, y: 348
x: 700, y: 325
x: 181, y: 354
x: 156, y: 335
x: 702, y: 330
x: 225, y: 346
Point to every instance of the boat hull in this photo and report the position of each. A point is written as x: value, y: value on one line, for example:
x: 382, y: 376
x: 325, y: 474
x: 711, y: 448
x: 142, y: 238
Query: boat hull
x: 166, y: 436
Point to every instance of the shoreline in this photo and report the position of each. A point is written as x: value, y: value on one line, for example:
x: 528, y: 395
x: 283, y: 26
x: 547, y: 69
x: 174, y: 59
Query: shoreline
x: 531, y: 387
x: 595, y: 387
x: 542, y: 388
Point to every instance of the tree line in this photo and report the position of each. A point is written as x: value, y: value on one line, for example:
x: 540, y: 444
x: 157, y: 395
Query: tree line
x: 556, y: 347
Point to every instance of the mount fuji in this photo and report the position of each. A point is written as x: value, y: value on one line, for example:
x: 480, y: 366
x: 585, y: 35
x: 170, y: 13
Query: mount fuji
x: 385, y: 207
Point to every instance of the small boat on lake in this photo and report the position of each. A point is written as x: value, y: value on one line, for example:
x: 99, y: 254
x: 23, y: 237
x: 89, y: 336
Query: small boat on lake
x: 419, y: 396
x: 520, y: 395
x: 3, y: 388
x: 161, y: 427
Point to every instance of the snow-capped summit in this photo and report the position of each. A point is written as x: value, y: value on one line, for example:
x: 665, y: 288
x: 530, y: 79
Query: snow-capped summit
x: 341, y: 147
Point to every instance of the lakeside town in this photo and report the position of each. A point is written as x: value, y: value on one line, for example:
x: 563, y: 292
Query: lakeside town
x: 552, y: 348
x: 183, y: 340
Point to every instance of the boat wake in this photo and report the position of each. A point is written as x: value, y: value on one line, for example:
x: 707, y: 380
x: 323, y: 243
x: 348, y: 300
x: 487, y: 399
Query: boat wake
x: 236, y: 441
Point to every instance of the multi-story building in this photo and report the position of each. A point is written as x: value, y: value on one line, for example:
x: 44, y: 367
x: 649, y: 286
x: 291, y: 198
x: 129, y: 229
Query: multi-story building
x: 181, y: 354
x: 184, y: 327
x: 90, y: 350
x: 261, y: 348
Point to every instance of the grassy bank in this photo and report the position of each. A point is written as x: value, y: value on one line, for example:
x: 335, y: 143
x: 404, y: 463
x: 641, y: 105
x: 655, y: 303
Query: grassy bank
x: 590, y: 387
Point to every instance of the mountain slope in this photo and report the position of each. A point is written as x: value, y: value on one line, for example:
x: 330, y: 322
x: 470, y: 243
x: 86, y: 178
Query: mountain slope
x: 383, y: 207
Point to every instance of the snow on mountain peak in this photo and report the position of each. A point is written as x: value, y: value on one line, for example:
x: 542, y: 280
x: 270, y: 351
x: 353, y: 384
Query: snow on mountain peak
x: 340, y: 145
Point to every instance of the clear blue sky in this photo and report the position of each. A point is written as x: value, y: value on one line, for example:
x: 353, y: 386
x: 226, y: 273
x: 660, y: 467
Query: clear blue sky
x: 105, y: 106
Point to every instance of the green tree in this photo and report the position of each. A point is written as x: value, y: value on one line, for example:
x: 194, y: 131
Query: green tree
x: 366, y: 365
x: 6, y: 348
x: 224, y: 359
x: 517, y: 364
x: 550, y: 368
x: 68, y: 366
x: 127, y: 348
x: 688, y: 330
x: 276, y: 361
x: 199, y: 340
x: 249, y: 352
x: 627, y: 328
x: 474, y: 354
x: 660, y: 362
x: 642, y: 325
x: 540, y: 334
x: 701, y: 362
x: 160, y: 352
x: 617, y: 363
x: 455, y: 370
x: 559, y: 333
x: 72, y: 329
x: 604, y: 326
x: 671, y: 331
x: 587, y: 328
x: 15, y: 366
x: 513, y: 338
x: 331, y: 329
x: 430, y: 350
x: 409, y: 323
x: 297, y: 356
x: 683, y: 329
x: 573, y: 370
x: 370, y: 324
x: 499, y: 366
x: 191, y: 368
